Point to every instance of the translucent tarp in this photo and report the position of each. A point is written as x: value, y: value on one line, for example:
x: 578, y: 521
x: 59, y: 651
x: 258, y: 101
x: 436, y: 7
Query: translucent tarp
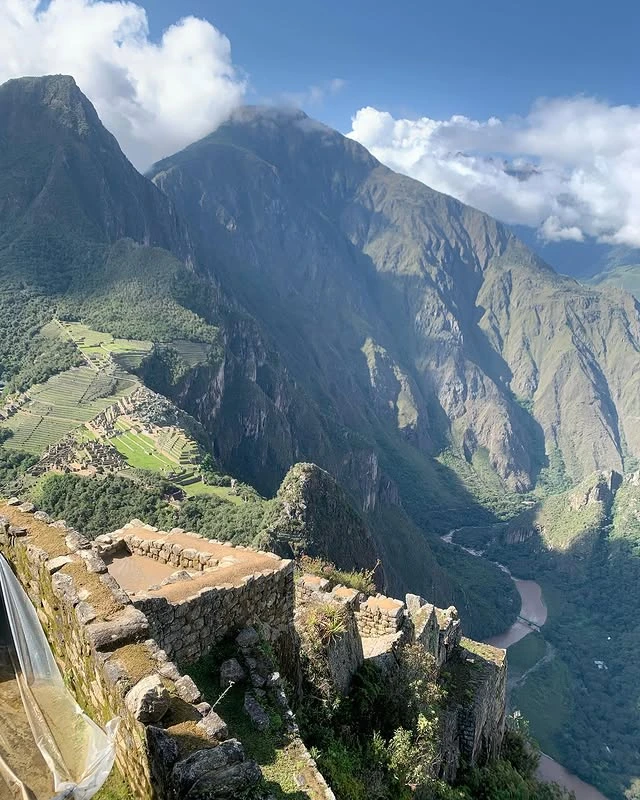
x: 72, y: 756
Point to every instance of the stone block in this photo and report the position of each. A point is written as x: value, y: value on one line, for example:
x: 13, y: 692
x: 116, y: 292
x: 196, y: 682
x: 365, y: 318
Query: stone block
x: 129, y: 625
x: 248, y: 637
x: 93, y: 562
x: 149, y: 700
x: 187, y: 690
x: 231, y: 672
x: 256, y: 713
x: 54, y: 564
x: 214, y: 726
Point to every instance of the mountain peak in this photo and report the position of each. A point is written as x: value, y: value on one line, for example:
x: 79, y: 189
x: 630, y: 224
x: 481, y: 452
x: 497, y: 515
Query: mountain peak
x: 57, y: 95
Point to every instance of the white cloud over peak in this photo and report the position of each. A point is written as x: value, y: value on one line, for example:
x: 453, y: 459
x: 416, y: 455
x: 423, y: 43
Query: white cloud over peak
x: 155, y: 97
x: 571, y: 167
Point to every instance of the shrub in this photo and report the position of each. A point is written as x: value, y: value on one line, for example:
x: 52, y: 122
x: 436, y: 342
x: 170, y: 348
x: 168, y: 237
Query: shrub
x: 360, y: 580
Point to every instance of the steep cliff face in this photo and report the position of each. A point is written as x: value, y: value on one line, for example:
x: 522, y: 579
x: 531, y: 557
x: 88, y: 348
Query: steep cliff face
x: 569, y: 522
x: 475, y: 717
x: 397, y: 308
x: 64, y: 183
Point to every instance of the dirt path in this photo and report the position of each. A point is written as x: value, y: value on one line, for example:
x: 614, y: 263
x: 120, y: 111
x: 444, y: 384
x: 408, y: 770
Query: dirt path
x: 548, y: 656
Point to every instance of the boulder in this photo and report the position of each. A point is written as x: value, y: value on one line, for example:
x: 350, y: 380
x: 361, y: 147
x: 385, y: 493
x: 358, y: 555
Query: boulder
x: 163, y: 754
x: 85, y: 612
x: 149, y: 699
x: 248, y: 637
x: 54, y: 564
x: 231, y: 672
x: 256, y: 713
x: 214, y: 726
x: 187, y: 690
x: 92, y: 561
x: 203, y: 762
x: 129, y: 625
x: 177, y: 577
x: 228, y: 783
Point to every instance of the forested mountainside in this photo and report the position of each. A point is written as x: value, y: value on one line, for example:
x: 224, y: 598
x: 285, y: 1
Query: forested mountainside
x: 343, y: 315
x: 119, y: 257
x: 402, y: 309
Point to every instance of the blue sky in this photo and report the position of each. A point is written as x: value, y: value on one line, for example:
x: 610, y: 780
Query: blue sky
x: 413, y: 58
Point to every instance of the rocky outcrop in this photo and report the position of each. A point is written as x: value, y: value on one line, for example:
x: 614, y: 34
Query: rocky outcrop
x: 314, y: 517
x: 115, y: 670
x: 474, y: 721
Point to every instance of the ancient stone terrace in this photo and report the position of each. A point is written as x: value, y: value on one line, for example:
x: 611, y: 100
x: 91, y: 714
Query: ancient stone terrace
x: 123, y: 610
x: 195, y: 591
x: 170, y: 744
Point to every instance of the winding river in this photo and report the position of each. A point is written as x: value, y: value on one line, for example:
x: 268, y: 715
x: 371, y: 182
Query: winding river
x: 534, y: 611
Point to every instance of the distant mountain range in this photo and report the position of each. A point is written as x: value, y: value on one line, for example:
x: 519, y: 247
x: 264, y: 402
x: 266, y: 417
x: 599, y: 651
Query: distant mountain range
x: 589, y: 261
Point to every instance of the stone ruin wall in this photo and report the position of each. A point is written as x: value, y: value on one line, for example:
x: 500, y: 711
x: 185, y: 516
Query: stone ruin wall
x: 187, y: 629
x: 148, y: 755
x: 108, y: 659
x: 473, y: 721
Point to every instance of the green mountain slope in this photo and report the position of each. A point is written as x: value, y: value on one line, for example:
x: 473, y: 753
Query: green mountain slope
x: 398, y: 308
x: 85, y: 237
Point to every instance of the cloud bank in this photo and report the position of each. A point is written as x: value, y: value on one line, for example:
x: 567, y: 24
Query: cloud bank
x: 155, y: 97
x: 570, y: 168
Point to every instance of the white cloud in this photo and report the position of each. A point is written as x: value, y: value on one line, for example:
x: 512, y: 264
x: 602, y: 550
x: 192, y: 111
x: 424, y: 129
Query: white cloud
x: 571, y: 167
x: 154, y: 97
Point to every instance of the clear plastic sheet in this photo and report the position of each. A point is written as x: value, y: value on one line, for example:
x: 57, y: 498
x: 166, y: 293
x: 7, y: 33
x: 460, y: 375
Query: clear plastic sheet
x: 78, y: 754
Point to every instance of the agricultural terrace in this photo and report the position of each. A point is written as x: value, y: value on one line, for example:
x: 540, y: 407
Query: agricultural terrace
x: 192, y: 353
x: 101, y: 348
x: 177, y: 446
x: 139, y: 450
x: 176, y: 457
x: 63, y: 403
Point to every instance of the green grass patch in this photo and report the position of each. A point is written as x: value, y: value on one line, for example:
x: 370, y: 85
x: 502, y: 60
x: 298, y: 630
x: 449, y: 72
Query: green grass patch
x: 223, y: 492
x: 115, y: 788
x: 273, y: 750
x: 141, y: 452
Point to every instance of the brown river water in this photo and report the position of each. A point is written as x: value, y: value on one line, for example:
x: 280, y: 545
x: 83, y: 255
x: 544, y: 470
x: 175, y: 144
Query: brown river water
x: 534, y: 610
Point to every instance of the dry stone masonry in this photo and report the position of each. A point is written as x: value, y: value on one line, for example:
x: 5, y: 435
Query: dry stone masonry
x: 377, y: 627
x: 123, y: 612
x: 213, y: 590
x: 169, y: 745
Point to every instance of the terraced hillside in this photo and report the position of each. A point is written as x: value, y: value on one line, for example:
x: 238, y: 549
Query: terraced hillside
x: 63, y: 403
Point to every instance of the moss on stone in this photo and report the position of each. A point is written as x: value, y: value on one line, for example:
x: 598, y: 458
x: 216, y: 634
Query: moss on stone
x: 49, y: 539
x: 136, y: 661
x: 100, y: 596
x: 495, y: 655
x: 189, y: 738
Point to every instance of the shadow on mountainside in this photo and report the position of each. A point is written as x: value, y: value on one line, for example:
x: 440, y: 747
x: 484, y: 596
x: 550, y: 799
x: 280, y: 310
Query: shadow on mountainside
x: 582, y: 704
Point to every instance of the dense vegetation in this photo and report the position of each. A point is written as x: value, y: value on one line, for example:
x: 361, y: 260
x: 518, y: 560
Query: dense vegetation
x: 381, y: 742
x: 100, y: 505
x: 13, y: 463
x: 582, y: 703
